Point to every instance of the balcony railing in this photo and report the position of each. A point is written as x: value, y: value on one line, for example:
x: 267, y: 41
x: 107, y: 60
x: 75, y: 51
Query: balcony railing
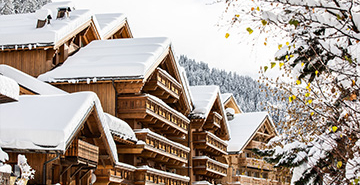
x: 255, y: 163
x: 164, y: 149
x: 155, y: 113
x: 206, y: 166
x: 83, y: 151
x: 213, y: 121
x: 209, y: 142
x: 164, y: 86
x: 147, y: 175
x: 122, y: 173
x: 247, y: 180
x: 255, y: 144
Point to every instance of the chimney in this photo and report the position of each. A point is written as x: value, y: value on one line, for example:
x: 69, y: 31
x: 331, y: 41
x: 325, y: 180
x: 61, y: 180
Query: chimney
x: 43, y: 17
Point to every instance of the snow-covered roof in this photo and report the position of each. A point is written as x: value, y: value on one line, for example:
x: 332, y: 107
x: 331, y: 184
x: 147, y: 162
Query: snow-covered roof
x: 243, y: 127
x: 203, y: 98
x: 120, y: 128
x: 48, y: 122
x: 186, y: 86
x: 19, y: 30
x: 225, y: 97
x: 29, y: 82
x: 109, y: 23
x: 111, y: 59
x: 9, y: 87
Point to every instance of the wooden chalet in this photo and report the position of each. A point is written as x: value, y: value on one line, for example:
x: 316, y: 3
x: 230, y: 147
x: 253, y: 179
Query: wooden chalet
x: 248, y: 131
x: 63, y: 148
x: 137, y: 80
x: 37, y: 42
x: 209, y: 131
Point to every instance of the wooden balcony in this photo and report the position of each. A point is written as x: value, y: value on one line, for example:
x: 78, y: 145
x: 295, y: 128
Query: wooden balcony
x: 83, y: 152
x: 255, y: 144
x: 209, y: 142
x: 213, y: 121
x: 121, y: 174
x: 153, y: 113
x: 247, y: 180
x: 164, y: 86
x: 158, y: 148
x: 209, y: 167
x: 255, y: 163
x: 147, y: 175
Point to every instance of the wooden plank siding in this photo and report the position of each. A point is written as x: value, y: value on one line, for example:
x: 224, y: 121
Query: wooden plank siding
x: 105, y: 92
x: 32, y: 62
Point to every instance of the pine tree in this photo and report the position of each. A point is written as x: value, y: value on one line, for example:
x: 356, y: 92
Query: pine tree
x: 7, y: 8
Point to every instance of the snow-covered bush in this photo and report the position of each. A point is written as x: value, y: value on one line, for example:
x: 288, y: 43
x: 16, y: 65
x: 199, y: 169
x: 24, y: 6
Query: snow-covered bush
x: 26, y: 171
x: 5, y: 168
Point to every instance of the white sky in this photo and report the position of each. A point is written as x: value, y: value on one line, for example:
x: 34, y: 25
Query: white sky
x: 191, y: 25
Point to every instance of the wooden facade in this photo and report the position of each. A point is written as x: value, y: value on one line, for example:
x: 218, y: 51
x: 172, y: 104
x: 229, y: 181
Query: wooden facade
x: 208, y: 148
x: 39, y: 60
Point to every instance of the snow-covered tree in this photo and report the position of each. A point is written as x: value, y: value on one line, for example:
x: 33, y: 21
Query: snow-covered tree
x: 320, y: 58
x: 20, y: 6
x: 6, y: 7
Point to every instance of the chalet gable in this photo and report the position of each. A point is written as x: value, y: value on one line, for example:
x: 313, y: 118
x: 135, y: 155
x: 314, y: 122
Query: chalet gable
x: 55, y: 125
x: 138, y: 65
x: 250, y: 130
x: 208, y: 112
x: 113, y: 26
x: 229, y: 101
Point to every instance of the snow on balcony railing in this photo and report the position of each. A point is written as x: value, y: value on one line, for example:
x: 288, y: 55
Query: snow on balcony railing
x: 162, y: 175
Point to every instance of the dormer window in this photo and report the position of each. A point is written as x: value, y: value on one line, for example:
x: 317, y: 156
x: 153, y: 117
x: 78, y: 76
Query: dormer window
x: 63, y: 11
x: 43, y: 17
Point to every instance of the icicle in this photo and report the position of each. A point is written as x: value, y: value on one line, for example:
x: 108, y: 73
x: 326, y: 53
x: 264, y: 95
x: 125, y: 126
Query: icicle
x: 22, y: 46
x: 30, y: 46
x: 2, y: 47
x: 34, y: 46
x: 94, y: 79
x: 88, y: 80
x: 16, y: 47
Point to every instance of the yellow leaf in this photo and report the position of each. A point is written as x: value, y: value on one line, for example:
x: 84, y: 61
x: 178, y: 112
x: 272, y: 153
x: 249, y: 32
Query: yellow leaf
x: 287, y: 57
x: 280, y: 46
x: 273, y: 64
x: 257, y: 8
x: 312, y: 113
x: 291, y: 56
x: 249, y: 30
x: 287, y: 43
x: 265, y: 68
x: 265, y: 43
x: 263, y: 22
x: 310, y: 101
x: 334, y: 128
x: 227, y: 35
x: 290, y: 99
x: 339, y: 164
x: 237, y: 15
x: 302, y: 64
x: 307, y: 94
x: 252, y: 8
x: 298, y: 82
x: 281, y: 64
x: 316, y: 72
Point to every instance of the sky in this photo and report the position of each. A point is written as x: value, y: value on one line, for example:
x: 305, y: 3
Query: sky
x: 192, y: 27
